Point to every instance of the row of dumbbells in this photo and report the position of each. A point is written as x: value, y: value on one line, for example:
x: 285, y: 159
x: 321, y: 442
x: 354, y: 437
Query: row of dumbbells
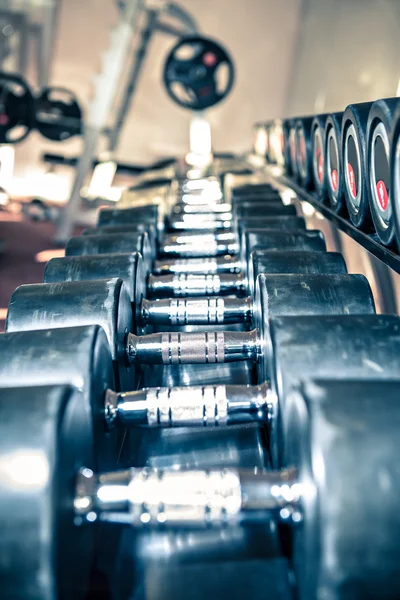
x: 325, y: 393
x: 350, y: 159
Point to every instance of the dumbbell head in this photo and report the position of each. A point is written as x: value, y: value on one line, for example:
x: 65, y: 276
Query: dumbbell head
x: 131, y: 228
x: 353, y: 136
x: 45, y: 436
x: 128, y: 267
x: 334, y: 162
x: 342, y: 438
x: 103, y: 302
x: 379, y: 130
x: 264, y: 239
x: 296, y: 261
x: 124, y: 216
x: 78, y: 356
x: 318, y: 158
x: 296, y: 349
x: 117, y: 243
x: 303, y: 150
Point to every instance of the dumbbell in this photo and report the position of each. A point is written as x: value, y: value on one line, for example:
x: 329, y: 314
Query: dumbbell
x: 319, y: 491
x: 378, y: 138
x: 224, y: 275
x: 223, y: 242
x: 312, y: 280
x: 107, y: 303
x: 188, y: 284
x: 42, y: 451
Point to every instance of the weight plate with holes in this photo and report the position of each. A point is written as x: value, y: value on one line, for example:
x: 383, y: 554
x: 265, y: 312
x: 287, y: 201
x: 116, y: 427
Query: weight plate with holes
x: 58, y: 116
x: 198, y: 73
x: 16, y: 109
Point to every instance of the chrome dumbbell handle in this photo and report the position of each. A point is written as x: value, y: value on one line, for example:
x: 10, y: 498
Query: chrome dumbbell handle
x: 200, y: 238
x: 210, y: 248
x: 224, y: 221
x: 183, y: 285
x: 197, y: 311
x: 178, y: 348
x: 196, y: 406
x: 159, y: 498
x: 210, y: 266
x: 199, y: 209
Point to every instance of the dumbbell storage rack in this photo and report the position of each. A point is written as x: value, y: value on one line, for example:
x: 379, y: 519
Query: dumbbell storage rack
x: 369, y: 241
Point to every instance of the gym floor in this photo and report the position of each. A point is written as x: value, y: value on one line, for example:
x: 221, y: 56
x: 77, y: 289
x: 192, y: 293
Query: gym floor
x: 22, y: 241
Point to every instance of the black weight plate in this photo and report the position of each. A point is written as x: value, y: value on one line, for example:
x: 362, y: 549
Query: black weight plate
x: 16, y: 109
x: 58, y: 115
x: 192, y: 70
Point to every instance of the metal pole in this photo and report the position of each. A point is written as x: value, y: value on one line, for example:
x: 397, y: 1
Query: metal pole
x: 106, y: 86
x: 136, y: 71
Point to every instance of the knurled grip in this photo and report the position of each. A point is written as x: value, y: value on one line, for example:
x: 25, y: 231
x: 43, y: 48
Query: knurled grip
x: 205, y: 347
x: 171, y: 407
x: 196, y: 311
x: 182, y: 348
x: 184, y: 497
x: 203, y: 266
x: 196, y: 285
x: 208, y: 248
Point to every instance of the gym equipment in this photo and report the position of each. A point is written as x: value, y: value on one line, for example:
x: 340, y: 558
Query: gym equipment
x: 303, y: 150
x: 378, y: 161
x: 182, y: 283
x: 395, y: 174
x: 107, y: 303
x: 112, y: 244
x: 296, y: 495
x: 318, y: 154
x: 354, y: 156
x: 334, y: 163
x: 314, y: 281
x: 191, y: 73
x: 58, y: 115
x: 16, y: 106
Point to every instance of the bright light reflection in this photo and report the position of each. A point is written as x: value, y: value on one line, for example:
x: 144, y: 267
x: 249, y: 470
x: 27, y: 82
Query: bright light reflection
x: 3, y: 313
x: 45, y: 255
x: 287, y: 195
x: 200, y: 137
x: 26, y: 469
x: 112, y: 493
x: 102, y: 179
x: 308, y: 209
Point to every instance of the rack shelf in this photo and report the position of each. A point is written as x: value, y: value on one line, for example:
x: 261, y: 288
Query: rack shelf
x: 368, y: 240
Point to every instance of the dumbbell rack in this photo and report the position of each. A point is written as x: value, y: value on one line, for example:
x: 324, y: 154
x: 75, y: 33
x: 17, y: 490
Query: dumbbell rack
x: 328, y: 337
x: 369, y: 241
